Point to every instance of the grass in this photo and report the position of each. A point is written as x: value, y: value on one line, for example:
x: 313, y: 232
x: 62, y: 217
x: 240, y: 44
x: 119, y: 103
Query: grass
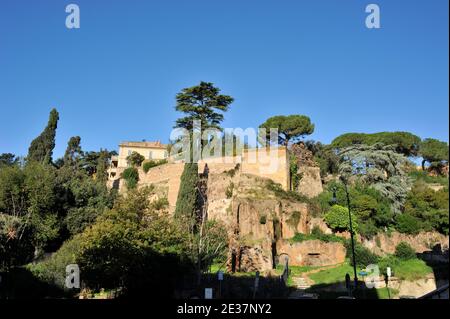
x: 332, y: 275
x: 299, y: 237
x: 383, y: 293
x: 412, y: 269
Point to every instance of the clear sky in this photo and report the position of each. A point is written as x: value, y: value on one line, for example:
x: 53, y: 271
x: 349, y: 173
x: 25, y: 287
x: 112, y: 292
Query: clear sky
x: 116, y: 77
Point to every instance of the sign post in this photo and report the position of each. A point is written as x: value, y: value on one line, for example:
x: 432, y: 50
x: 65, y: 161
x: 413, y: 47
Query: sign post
x: 208, y: 293
x: 388, y: 276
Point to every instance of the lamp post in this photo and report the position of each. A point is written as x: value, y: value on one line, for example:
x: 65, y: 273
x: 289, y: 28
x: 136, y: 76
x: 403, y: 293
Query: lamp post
x: 334, y: 201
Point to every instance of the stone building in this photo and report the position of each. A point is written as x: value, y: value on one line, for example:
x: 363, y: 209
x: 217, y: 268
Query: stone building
x: 150, y: 150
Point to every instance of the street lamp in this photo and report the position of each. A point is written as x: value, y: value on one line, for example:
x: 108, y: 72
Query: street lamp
x: 334, y: 201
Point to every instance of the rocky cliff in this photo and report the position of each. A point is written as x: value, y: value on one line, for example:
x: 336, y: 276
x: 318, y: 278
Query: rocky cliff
x: 260, y: 224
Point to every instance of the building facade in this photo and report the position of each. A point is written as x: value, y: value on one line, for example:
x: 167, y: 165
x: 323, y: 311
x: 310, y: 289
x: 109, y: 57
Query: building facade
x: 150, y: 151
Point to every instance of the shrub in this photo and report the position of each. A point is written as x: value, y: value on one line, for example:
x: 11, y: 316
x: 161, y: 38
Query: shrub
x: 53, y: 270
x: 317, y: 234
x: 407, y: 224
x: 404, y: 251
x: 150, y: 164
x: 364, y: 256
x: 135, y: 159
x: 131, y: 176
x: 337, y: 218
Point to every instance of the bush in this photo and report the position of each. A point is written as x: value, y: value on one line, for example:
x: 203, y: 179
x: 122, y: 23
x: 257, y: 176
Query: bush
x: 364, y: 256
x: 135, y: 159
x: 131, y: 176
x: 53, y: 270
x: 407, y: 224
x: 317, y: 234
x: 404, y: 251
x: 150, y: 164
x: 337, y: 219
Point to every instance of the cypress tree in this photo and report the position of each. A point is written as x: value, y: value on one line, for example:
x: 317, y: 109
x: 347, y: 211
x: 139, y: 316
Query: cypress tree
x: 41, y: 148
x: 188, y: 193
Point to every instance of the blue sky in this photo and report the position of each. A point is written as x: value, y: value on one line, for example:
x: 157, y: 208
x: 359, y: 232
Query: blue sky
x: 116, y: 77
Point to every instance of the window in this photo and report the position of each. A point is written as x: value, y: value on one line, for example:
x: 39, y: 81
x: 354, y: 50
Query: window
x: 150, y: 155
x: 129, y: 152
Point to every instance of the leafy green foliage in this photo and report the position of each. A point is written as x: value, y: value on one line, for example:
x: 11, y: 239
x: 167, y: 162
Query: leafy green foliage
x: 293, y: 172
x: 426, y: 210
x: 130, y: 246
x: 8, y: 159
x: 407, y: 224
x: 279, y: 192
x: 187, y: 200
x: 41, y: 148
x: 131, y: 176
x: 73, y: 152
x: 423, y: 176
x: 378, y: 166
x: 317, y: 234
x: 290, y: 128
x: 363, y: 256
x: 338, y: 219
x: 403, y: 142
x: 135, y: 159
x: 95, y: 163
x: 433, y: 151
x: 404, y: 251
x: 325, y: 156
x: 201, y: 102
x: 153, y: 163
x: 53, y: 269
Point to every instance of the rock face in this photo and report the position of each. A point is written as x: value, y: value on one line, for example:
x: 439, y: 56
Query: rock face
x: 260, y: 225
x: 310, y: 183
x: 312, y: 252
x: 423, y: 242
x: 319, y: 223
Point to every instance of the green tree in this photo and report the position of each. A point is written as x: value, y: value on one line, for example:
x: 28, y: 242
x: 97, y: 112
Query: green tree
x: 93, y: 160
x: 433, y: 151
x: 187, y: 201
x: 378, y: 166
x: 337, y: 218
x: 404, y: 251
x: 133, y: 247
x: 41, y: 148
x: 73, y: 151
x: 135, y: 159
x: 291, y: 128
x: 131, y: 176
x: 403, y: 142
x: 202, y: 102
x: 8, y: 159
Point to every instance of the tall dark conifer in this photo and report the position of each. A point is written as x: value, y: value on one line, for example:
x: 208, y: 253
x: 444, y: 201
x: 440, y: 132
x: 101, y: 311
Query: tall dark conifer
x: 41, y: 148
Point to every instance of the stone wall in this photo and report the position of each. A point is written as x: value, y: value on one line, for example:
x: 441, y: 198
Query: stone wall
x: 385, y: 243
x: 310, y: 183
x: 312, y: 252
